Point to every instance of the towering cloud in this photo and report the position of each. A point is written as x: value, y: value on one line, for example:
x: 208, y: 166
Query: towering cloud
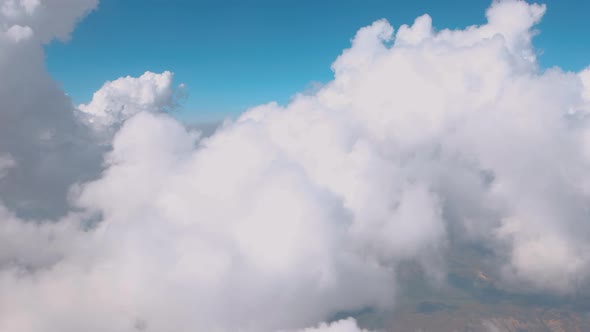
x: 119, y: 100
x: 289, y: 215
x: 38, y: 127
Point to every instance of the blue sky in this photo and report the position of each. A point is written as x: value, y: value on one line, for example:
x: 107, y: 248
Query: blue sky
x: 234, y: 54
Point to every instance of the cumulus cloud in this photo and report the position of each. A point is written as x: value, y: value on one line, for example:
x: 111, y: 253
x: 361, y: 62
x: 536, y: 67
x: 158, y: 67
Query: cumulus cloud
x: 290, y: 215
x: 45, y: 19
x: 348, y: 325
x: 38, y: 126
x: 120, y: 99
x: 19, y: 33
x: 6, y: 163
x: 228, y: 259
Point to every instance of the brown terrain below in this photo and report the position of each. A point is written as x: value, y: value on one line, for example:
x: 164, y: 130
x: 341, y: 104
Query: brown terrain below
x: 471, y: 301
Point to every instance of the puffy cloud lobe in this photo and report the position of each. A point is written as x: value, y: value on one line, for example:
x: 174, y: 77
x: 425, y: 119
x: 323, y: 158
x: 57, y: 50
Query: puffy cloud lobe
x: 38, y: 126
x: 44, y: 19
x: 19, y: 33
x: 6, y: 163
x: 289, y: 215
x: 118, y: 100
x: 232, y: 242
x: 348, y: 325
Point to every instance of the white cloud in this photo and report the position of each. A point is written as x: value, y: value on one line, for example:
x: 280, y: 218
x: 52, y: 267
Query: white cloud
x: 38, y: 127
x: 120, y: 99
x: 6, y: 163
x: 16, y: 8
x: 19, y: 33
x: 262, y: 232
x: 347, y: 325
x: 46, y: 19
x: 291, y: 214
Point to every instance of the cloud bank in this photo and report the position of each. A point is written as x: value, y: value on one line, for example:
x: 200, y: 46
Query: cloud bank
x: 120, y: 99
x: 38, y: 127
x: 288, y: 215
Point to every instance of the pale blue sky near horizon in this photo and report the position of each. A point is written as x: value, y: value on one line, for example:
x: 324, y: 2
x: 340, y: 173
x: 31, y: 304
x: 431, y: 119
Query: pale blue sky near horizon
x: 236, y: 54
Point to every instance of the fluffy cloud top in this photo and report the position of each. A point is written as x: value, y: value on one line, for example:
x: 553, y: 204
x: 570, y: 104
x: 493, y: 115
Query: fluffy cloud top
x: 44, y: 19
x: 119, y: 100
x: 38, y: 125
x: 292, y: 214
x: 348, y: 325
x: 6, y: 163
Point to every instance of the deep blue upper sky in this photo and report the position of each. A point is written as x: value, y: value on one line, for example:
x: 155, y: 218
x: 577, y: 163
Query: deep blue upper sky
x: 233, y: 54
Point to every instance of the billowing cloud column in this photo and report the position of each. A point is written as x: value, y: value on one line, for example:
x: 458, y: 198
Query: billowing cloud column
x: 38, y: 128
x: 425, y: 140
